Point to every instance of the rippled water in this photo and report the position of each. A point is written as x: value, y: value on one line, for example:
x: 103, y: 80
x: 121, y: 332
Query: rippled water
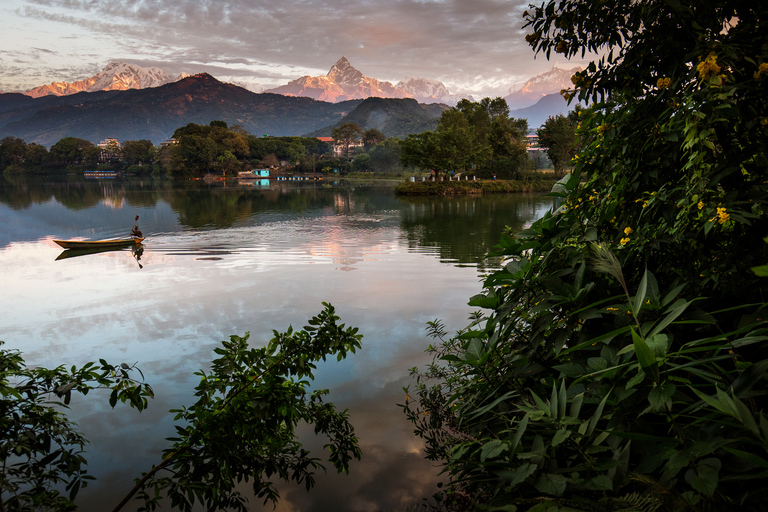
x: 226, y: 259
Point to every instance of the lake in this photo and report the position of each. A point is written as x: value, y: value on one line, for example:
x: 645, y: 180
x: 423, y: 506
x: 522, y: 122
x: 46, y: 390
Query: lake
x: 226, y: 258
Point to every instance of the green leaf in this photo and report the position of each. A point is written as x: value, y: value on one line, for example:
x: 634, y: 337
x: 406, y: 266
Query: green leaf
x: 637, y: 303
x: 597, y: 415
x: 645, y: 356
x: 560, y: 436
x: 599, y: 483
x: 520, y: 431
x: 660, y: 397
x: 492, y: 449
x: 706, y: 476
x: 551, y: 484
x: 519, y: 474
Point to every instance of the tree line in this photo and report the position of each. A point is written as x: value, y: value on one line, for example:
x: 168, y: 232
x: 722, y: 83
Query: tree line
x: 475, y: 137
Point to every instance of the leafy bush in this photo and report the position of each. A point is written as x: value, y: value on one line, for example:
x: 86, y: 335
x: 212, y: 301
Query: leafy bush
x: 622, y: 365
x: 242, y: 427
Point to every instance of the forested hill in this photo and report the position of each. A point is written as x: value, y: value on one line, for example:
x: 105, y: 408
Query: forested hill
x: 155, y: 113
x: 392, y: 117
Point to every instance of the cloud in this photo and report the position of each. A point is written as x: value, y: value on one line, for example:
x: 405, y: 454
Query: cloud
x: 471, y: 46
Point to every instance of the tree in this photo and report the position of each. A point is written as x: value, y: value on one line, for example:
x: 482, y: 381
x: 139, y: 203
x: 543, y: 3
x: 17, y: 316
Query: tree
x: 198, y: 152
x: 72, y: 150
x: 35, y: 155
x: 40, y: 448
x: 372, y: 137
x: 622, y: 360
x: 346, y: 136
x: 385, y: 156
x: 138, y: 152
x: 12, y: 150
x: 227, y: 162
x: 558, y: 135
x: 218, y: 444
x: 361, y: 163
x: 471, y: 135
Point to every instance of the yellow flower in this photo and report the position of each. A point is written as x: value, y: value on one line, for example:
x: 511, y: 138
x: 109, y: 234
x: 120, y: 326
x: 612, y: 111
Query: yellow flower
x: 723, y: 216
x: 700, y: 205
x: 628, y: 230
x: 624, y: 241
x: 708, y: 67
x: 663, y: 83
x: 761, y: 71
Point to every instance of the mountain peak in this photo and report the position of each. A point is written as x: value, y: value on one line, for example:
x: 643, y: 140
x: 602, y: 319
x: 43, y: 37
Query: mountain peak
x: 344, y: 74
x: 343, y: 82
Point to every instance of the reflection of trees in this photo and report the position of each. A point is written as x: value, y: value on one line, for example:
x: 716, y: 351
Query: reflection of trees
x: 464, y: 229
x: 75, y: 193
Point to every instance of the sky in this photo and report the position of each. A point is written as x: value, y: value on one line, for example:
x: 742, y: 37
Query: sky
x: 474, y: 47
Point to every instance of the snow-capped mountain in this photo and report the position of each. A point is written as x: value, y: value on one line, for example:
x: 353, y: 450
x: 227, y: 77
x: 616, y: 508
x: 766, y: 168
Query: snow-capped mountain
x: 343, y: 82
x: 425, y: 90
x: 115, y: 76
x: 528, y: 93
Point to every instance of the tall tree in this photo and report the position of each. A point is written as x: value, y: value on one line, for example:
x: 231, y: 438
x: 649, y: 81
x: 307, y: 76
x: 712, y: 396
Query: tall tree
x: 558, y: 135
x: 371, y: 137
x: 347, y: 135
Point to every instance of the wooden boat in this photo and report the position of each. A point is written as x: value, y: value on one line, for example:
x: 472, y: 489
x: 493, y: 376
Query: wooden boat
x: 98, y: 244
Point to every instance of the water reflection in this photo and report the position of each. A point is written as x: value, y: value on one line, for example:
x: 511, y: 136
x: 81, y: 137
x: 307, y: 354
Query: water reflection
x: 226, y: 259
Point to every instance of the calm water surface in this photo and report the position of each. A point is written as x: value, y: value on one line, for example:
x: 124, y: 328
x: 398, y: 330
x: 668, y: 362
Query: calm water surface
x: 224, y: 259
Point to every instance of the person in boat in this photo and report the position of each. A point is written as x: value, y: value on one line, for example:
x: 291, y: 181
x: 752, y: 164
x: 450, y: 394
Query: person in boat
x: 135, y: 231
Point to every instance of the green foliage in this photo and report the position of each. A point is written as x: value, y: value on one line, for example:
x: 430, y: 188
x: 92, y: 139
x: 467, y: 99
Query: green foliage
x: 72, y: 150
x: 346, y: 136
x: 558, y: 135
x: 40, y: 448
x: 622, y: 363
x: 447, y: 188
x: 280, y: 147
x: 470, y: 135
x: 243, y: 425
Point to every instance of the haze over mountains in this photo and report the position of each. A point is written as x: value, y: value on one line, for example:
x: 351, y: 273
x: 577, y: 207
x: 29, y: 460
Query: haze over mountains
x: 129, y: 102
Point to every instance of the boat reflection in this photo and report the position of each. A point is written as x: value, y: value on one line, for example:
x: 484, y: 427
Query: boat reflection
x: 136, y: 251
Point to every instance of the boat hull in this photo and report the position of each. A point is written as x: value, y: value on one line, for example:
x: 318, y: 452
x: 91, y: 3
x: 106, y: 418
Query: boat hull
x: 96, y: 244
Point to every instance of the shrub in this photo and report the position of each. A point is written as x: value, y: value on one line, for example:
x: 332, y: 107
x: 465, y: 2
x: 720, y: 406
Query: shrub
x: 622, y: 364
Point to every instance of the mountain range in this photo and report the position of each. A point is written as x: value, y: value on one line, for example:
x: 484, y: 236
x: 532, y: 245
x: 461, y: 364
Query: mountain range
x: 154, y: 113
x: 344, y: 82
x: 116, y: 76
x: 128, y: 102
x: 551, y: 82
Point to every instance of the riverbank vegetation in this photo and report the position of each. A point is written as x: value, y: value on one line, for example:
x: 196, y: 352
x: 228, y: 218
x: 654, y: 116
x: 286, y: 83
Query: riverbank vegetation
x: 532, y: 183
x: 620, y: 363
